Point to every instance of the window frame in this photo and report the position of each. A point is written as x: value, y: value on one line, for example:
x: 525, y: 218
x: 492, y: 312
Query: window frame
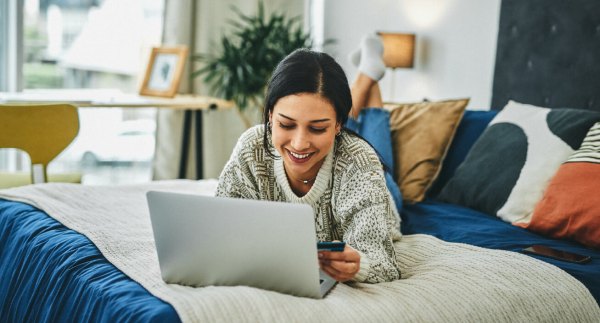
x: 11, y: 48
x: 3, y: 43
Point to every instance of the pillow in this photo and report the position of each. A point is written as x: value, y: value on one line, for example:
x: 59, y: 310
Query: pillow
x: 421, y: 135
x: 373, y: 124
x: 570, y: 208
x: 472, y: 124
x: 509, y: 166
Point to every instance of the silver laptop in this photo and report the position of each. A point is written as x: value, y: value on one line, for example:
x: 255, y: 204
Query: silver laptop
x: 203, y: 240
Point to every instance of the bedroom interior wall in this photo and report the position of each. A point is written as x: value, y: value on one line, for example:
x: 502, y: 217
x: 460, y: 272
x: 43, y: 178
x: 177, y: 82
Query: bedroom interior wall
x: 221, y: 129
x: 455, y: 52
x: 456, y: 46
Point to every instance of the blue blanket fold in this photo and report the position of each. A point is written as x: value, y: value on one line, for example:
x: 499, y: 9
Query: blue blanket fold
x: 50, y: 273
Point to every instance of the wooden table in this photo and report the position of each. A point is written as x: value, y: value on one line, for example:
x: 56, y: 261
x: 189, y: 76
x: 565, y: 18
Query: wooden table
x: 193, y: 105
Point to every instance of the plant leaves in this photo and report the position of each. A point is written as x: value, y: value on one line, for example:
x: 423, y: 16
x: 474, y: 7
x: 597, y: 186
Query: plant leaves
x: 247, y: 56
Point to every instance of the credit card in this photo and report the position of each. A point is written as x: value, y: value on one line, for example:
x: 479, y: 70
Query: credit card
x: 331, y: 245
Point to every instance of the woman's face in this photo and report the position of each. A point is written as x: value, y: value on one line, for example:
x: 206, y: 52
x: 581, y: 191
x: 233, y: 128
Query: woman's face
x: 304, y: 128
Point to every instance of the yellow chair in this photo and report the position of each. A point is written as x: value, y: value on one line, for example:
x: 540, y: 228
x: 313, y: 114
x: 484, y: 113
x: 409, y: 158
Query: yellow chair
x: 43, y: 132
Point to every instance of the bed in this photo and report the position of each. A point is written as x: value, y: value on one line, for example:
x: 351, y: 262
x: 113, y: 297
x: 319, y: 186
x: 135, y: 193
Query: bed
x: 77, y: 253
x: 54, y: 273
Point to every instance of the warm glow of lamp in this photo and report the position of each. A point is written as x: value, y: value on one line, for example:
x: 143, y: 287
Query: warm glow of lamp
x: 398, y: 52
x: 398, y: 49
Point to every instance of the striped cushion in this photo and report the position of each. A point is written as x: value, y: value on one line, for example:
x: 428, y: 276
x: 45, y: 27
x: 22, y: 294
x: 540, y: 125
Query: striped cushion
x: 570, y: 208
x: 590, y: 148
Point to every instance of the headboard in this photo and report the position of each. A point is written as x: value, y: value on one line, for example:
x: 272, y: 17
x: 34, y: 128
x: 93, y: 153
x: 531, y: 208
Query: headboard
x: 548, y: 54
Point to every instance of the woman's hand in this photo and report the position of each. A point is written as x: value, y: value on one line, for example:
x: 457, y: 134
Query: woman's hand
x: 341, y: 266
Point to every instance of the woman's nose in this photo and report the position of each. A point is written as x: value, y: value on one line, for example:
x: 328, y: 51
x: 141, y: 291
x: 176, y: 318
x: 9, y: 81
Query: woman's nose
x: 300, y: 141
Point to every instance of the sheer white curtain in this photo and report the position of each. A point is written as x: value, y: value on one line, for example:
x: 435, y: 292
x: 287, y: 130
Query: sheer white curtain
x: 179, y: 26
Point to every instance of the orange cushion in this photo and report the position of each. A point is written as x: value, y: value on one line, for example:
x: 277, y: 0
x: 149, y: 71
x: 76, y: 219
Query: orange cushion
x: 570, y: 208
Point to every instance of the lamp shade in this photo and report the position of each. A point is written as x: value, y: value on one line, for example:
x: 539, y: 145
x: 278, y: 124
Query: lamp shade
x: 398, y: 49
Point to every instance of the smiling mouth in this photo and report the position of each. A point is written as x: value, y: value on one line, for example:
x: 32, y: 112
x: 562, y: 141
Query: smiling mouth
x: 299, y: 157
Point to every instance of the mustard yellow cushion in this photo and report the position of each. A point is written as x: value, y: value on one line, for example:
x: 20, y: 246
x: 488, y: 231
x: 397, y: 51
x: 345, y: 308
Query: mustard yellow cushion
x: 421, y: 135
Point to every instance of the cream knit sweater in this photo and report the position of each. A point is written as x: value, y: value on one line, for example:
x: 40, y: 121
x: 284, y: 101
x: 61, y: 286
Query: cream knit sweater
x: 349, y: 197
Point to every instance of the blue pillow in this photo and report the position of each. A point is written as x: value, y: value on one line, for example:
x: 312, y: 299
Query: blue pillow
x: 373, y: 124
x: 471, y: 126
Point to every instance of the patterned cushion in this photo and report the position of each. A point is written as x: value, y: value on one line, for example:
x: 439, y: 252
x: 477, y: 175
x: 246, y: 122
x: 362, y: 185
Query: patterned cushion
x: 421, y: 135
x: 508, y: 168
x: 570, y: 208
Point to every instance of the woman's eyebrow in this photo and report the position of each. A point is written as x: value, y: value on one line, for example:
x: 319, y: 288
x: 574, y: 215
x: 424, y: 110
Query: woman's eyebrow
x: 311, y: 121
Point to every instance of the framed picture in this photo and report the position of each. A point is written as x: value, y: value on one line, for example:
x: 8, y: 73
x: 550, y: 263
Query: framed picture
x: 164, y: 71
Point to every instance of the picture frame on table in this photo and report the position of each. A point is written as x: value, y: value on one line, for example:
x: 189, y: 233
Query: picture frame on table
x: 164, y: 71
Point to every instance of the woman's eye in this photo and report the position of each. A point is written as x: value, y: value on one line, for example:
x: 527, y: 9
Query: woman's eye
x: 286, y: 126
x: 292, y: 126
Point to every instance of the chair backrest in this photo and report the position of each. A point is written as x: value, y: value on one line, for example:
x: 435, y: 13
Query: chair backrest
x: 42, y: 131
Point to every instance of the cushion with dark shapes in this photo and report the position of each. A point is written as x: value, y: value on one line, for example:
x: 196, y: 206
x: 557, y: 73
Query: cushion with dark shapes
x: 509, y: 166
x: 471, y: 126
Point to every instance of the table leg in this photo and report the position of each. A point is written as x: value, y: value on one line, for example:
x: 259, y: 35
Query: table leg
x: 185, y: 143
x: 199, y: 146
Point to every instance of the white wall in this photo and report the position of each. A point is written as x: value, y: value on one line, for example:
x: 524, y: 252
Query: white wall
x: 221, y: 129
x: 456, y: 44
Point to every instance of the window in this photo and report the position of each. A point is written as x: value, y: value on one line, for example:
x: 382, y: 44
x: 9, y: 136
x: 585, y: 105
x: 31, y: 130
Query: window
x: 91, y: 44
x: 88, y: 43
x: 3, y: 43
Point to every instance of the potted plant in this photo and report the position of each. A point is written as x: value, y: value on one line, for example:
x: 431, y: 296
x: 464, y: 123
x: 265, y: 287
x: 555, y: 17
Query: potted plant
x: 242, y: 66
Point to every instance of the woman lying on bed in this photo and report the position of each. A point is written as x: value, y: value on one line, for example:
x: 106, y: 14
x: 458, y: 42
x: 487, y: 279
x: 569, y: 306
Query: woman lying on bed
x: 303, y: 154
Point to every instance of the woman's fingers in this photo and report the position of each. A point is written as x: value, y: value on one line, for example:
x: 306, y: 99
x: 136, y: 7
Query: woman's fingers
x: 342, y: 266
x: 335, y: 255
x: 336, y: 274
x: 349, y: 254
x: 345, y: 267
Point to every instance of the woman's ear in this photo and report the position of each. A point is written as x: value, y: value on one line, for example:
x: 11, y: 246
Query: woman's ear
x: 338, y: 127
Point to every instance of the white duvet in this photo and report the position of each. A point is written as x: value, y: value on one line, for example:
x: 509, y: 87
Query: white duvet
x: 441, y: 281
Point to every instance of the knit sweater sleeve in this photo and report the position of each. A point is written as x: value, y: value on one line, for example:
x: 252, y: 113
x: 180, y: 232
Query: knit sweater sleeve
x: 369, y: 224
x: 237, y: 179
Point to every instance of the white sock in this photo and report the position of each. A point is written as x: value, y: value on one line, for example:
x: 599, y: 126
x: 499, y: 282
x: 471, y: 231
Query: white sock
x: 354, y: 57
x: 371, y: 57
